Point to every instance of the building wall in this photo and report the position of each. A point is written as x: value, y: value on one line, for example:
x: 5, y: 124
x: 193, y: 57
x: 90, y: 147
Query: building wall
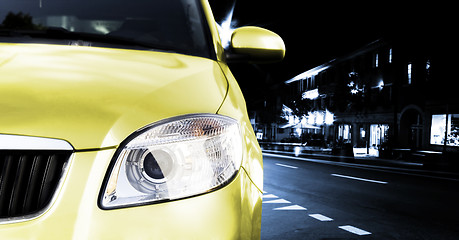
x: 391, y: 88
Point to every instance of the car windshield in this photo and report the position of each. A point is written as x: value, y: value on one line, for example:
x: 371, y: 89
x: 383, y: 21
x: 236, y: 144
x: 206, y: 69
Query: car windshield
x: 172, y: 25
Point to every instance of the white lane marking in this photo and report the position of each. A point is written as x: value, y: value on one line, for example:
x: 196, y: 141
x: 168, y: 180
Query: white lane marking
x: 360, y: 179
x: 270, y: 196
x: 321, y: 217
x: 355, y: 230
x: 277, y: 201
x: 293, y: 207
x: 396, y: 170
x: 287, y: 166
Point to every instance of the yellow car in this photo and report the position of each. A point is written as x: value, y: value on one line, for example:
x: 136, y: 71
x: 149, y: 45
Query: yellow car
x: 121, y: 120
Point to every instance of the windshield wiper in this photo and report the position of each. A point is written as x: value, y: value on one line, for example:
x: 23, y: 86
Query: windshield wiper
x: 74, y: 38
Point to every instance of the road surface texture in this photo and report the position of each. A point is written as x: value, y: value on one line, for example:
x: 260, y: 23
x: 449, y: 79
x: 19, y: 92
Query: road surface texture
x: 317, y: 199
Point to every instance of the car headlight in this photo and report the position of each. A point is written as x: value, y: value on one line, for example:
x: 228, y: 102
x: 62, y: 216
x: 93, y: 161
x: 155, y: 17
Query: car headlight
x: 174, y: 159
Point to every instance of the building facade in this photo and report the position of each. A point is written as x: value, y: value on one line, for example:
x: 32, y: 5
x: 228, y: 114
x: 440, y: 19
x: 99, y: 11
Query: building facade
x: 392, y: 97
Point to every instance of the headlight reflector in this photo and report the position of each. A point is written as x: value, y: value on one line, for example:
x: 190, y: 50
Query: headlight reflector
x: 174, y: 159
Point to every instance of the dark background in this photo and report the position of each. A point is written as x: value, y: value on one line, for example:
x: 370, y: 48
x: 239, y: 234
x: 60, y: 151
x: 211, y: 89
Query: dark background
x: 316, y: 32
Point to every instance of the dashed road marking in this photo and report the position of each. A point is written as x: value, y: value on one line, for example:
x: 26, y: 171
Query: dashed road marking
x: 270, y: 196
x: 277, y: 201
x: 357, y: 178
x: 321, y: 217
x: 287, y: 166
x: 354, y: 230
x: 317, y: 216
x: 292, y: 207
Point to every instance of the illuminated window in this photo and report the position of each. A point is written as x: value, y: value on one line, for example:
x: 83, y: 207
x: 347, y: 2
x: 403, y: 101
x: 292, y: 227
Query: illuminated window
x: 344, y: 132
x: 428, y: 70
x: 445, y: 125
x: 409, y: 73
x: 437, y: 129
x: 376, y: 60
x: 390, y: 55
x: 311, y: 94
x: 378, y: 134
x: 453, y: 130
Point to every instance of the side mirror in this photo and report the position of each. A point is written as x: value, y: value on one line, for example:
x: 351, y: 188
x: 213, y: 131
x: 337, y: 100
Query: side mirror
x: 255, y: 45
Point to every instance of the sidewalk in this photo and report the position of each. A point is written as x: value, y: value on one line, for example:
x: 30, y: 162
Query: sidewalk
x: 360, y: 158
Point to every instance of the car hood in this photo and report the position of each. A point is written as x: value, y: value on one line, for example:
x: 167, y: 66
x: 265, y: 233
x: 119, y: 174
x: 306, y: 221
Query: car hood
x: 96, y: 97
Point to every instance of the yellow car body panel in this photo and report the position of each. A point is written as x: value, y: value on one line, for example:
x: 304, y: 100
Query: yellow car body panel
x: 98, y: 108
x: 224, y: 214
x: 218, y: 47
x: 71, y: 93
x: 235, y: 106
x: 94, y: 98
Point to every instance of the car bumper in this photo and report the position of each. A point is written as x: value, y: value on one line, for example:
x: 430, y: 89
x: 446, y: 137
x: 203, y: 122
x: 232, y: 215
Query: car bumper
x: 232, y: 212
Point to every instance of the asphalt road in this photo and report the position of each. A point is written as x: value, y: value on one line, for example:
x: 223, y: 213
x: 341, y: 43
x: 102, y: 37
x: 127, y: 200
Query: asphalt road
x: 317, y: 200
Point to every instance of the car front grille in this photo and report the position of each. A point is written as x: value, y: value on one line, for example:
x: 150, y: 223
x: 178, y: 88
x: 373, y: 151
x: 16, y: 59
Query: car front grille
x: 29, y: 179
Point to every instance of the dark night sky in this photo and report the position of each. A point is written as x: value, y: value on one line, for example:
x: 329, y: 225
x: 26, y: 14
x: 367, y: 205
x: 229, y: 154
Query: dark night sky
x: 316, y: 32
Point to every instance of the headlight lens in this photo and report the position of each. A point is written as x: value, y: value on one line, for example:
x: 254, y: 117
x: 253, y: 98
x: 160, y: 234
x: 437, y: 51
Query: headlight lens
x: 174, y: 159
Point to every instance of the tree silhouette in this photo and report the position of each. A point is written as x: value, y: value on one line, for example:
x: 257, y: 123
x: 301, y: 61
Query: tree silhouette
x: 19, y: 21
